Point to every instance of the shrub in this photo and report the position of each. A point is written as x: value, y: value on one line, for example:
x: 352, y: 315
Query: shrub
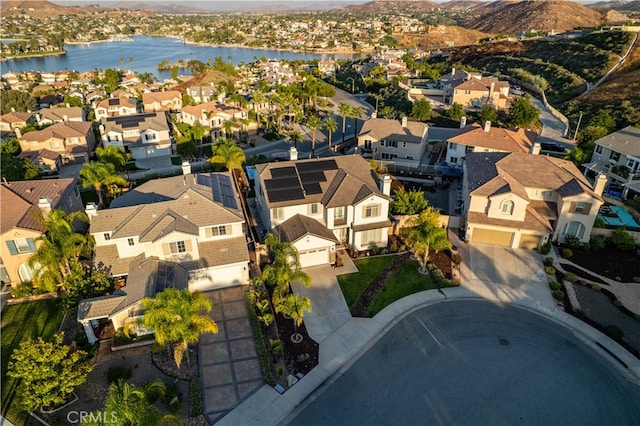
x: 614, y: 332
x: 375, y: 250
x: 595, y: 287
x: 280, y: 370
x: 260, y: 346
x: 622, y: 240
x: 555, y: 285
x: 571, y: 277
x: 24, y: 290
x: 546, y: 247
x: 393, y: 248
x: 558, y: 294
x: 456, y: 258
x: 597, y: 242
x: 548, y: 261
x: 195, y: 397
x: 550, y: 270
x: 572, y: 241
x: 566, y: 253
x: 118, y: 372
x: 172, y: 393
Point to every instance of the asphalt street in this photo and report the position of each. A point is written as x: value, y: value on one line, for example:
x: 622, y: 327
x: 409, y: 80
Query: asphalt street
x: 475, y: 363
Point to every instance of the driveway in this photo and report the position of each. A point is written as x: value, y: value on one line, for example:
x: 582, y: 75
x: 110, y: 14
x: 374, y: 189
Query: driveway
x: 329, y: 311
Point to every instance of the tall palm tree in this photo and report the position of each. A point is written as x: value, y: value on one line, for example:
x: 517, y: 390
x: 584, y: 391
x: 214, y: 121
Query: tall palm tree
x: 258, y: 99
x: 344, y: 110
x: 426, y: 234
x: 100, y: 176
x: 112, y: 155
x: 294, y: 306
x: 228, y: 153
x: 356, y: 113
x: 296, y: 137
x: 177, y: 318
x: 331, y: 125
x: 228, y: 128
x: 284, y: 268
x: 313, y: 123
x: 198, y: 131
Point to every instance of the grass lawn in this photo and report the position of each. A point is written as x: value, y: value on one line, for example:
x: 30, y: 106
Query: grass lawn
x: 403, y: 282
x: 353, y: 285
x: 41, y: 318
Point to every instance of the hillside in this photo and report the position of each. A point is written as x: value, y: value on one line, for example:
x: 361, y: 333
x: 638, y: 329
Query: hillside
x: 443, y: 36
x: 389, y: 6
x: 520, y: 17
x: 44, y: 9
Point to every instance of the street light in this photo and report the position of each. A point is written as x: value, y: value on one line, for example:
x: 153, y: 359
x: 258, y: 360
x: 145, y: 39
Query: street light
x: 353, y: 84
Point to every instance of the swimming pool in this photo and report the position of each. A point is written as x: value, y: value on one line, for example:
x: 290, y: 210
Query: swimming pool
x: 617, y: 216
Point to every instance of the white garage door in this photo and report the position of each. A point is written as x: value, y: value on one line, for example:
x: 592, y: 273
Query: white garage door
x: 489, y: 236
x: 209, y: 279
x: 314, y: 257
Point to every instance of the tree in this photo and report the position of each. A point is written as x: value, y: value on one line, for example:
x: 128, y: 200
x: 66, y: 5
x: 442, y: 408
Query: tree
x: 421, y: 110
x: 177, y: 318
x: 258, y: 99
x: 49, y: 371
x: 16, y: 168
x: 408, y: 202
x: 331, y: 125
x: 83, y: 283
x: 356, y: 113
x: 112, y: 155
x: 344, y: 110
x: 16, y: 99
x: 488, y: 113
x: 313, y: 123
x: 284, y: 267
x: 228, y: 128
x: 426, y: 234
x: 523, y: 113
x: 102, y: 177
x: 296, y: 137
x: 111, y: 80
x: 455, y: 112
x: 293, y: 306
x: 228, y: 153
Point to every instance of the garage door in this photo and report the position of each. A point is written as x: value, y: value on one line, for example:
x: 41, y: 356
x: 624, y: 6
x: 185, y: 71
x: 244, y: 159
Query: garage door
x: 314, y: 257
x: 488, y: 236
x: 529, y: 241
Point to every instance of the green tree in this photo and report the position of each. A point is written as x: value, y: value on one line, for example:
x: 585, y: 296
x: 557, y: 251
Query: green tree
x: 425, y: 235
x: 408, y: 202
x: 228, y: 128
x: 284, y: 267
x: 73, y: 101
x: 49, y: 371
x: 83, y: 283
x: 112, y: 155
x: 455, y: 112
x: 488, y: 113
x: 16, y: 99
x: 228, y: 153
x: 331, y: 125
x: 186, y: 148
x: 296, y: 137
x: 178, y: 319
x: 421, y: 110
x: 344, y: 110
x: 356, y: 113
x: 294, y: 306
x: 111, y: 80
x: 313, y: 123
x: 102, y: 177
x: 15, y: 168
x: 523, y: 113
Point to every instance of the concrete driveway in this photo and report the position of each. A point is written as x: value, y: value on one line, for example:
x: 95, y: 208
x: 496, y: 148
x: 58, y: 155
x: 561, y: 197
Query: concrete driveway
x: 329, y: 311
x: 517, y: 274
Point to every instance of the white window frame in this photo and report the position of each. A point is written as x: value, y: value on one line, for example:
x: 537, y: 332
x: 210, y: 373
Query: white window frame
x: 507, y: 207
x: 372, y: 210
x: 599, y: 149
x: 131, y: 242
x: 177, y: 247
x: 277, y: 213
x: 220, y: 230
x: 26, y: 248
x: 314, y: 208
x: 107, y: 236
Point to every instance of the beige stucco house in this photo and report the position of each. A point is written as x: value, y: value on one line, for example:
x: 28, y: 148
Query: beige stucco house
x: 522, y: 200
x: 143, y: 135
x: 213, y: 115
x: 116, y: 107
x: 15, y: 120
x: 170, y: 100
x: 74, y: 141
x: 398, y: 142
x: 478, y: 92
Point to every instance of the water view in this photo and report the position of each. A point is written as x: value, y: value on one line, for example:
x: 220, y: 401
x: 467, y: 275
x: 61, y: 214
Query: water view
x: 143, y: 54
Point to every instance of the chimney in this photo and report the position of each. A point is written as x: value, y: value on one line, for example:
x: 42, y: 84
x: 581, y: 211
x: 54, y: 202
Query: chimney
x: 385, y: 184
x: 101, y: 127
x: 535, y: 149
x: 404, y: 121
x: 601, y: 182
x: 293, y: 153
x: 65, y: 118
x: 186, y: 168
x: 44, y: 204
x: 487, y: 126
x: 13, y: 109
x: 18, y: 132
x: 38, y: 118
x: 492, y: 88
x: 374, y: 114
x: 463, y: 121
x: 453, y: 72
x: 91, y: 210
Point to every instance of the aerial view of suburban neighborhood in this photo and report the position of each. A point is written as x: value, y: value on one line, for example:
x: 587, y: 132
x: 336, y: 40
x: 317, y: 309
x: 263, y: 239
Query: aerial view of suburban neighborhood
x: 320, y: 212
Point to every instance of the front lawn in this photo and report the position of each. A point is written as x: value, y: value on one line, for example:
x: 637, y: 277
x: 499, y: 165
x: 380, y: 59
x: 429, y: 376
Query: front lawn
x: 41, y: 318
x: 353, y: 285
x: 404, y: 281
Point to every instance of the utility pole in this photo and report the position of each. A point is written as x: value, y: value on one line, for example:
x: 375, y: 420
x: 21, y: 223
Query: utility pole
x: 575, y: 135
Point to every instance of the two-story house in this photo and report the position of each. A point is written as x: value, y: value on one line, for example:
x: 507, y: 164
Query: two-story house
x: 143, y: 135
x: 19, y: 228
x: 202, y: 94
x: 116, y: 107
x: 618, y: 156
x: 476, y: 138
x: 477, y: 93
x: 170, y: 100
x: 74, y: 141
x: 185, y: 232
x: 399, y: 142
x: 11, y: 121
x: 522, y: 200
x: 317, y: 203
x: 58, y: 115
x: 213, y: 115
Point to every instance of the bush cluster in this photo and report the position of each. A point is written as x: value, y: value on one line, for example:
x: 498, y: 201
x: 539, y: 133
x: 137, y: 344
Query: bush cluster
x: 550, y: 270
x: 548, y: 261
x: 571, y: 277
x: 260, y: 346
x: 566, y: 253
x: 546, y: 247
x: 195, y: 397
x: 558, y: 294
x: 555, y: 285
x: 622, y: 240
x: 438, y: 277
x: 597, y: 242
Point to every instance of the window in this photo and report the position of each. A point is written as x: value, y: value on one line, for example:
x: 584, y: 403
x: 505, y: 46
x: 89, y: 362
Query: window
x: 453, y: 146
x: 632, y: 164
x: 453, y: 160
x: 410, y: 157
x: 177, y: 247
x: 387, y: 156
x: 580, y: 208
x: 216, y: 231
x: 4, y: 275
x: 404, y: 144
x: 338, y: 213
x: 615, y: 156
x: 371, y: 236
x: 314, y: 208
x: 26, y: 273
x: 55, y: 144
x: 547, y: 194
x: 506, y: 207
x: 372, y: 210
x: 131, y: 242
x: 573, y: 228
x: 367, y: 144
x: 277, y: 213
x: 21, y: 246
x: 107, y: 236
x: 598, y: 149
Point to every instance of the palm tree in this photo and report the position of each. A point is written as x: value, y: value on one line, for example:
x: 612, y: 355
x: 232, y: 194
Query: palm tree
x: 100, y: 176
x: 112, y: 155
x: 356, y: 113
x: 296, y: 137
x: 293, y: 306
x: 177, y: 318
x: 198, y: 131
x: 228, y: 153
x: 426, y: 234
x: 228, y: 128
x: 284, y: 267
x: 331, y: 125
x: 344, y: 110
x: 258, y: 99
x: 314, y: 124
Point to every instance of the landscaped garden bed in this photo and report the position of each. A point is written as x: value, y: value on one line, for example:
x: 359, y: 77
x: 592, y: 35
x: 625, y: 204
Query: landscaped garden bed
x: 609, y: 262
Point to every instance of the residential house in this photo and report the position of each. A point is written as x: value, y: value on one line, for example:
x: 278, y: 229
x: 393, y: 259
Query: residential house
x: 477, y: 93
x: 399, y: 142
x: 213, y: 115
x: 170, y: 100
x: 143, y: 135
x: 58, y: 115
x: 203, y: 94
x: 618, y: 156
x: 523, y: 200
x: 476, y: 138
x: 15, y: 120
x: 19, y: 228
x: 73, y: 140
x: 339, y: 193
x: 185, y: 232
x: 116, y: 107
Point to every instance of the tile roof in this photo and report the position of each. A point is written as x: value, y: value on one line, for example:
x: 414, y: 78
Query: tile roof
x: 65, y: 130
x: 57, y: 114
x: 625, y: 141
x: 298, y: 226
x: 117, y: 102
x: 168, y: 95
x: 108, y: 257
x: 148, y: 120
x: 99, y: 307
x: 375, y: 225
x: 16, y: 117
x: 384, y: 128
x: 532, y: 221
x: 509, y: 140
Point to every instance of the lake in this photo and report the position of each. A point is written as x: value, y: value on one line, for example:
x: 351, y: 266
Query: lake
x: 146, y: 52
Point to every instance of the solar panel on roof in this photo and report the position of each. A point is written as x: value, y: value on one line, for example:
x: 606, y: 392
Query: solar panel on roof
x: 283, y: 172
x: 279, y: 184
x: 312, y: 177
x: 276, y: 196
x: 114, y: 101
x: 312, y: 188
x: 221, y: 187
x: 316, y: 166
